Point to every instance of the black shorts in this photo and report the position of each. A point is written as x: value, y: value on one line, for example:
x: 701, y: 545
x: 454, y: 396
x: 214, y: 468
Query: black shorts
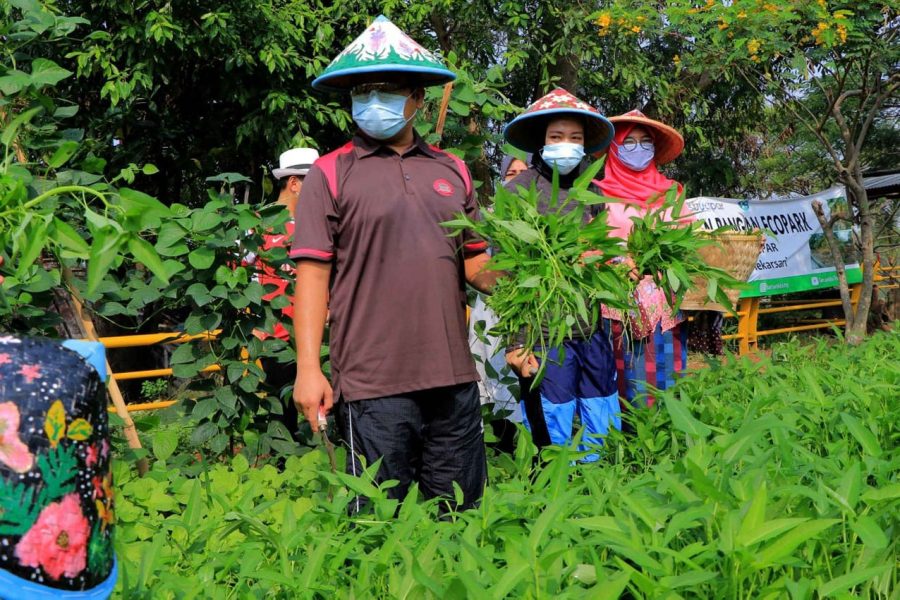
x: 434, y: 437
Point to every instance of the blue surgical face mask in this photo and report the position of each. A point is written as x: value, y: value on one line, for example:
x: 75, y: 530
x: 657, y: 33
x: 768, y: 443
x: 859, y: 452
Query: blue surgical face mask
x: 380, y: 114
x: 638, y: 158
x: 564, y: 156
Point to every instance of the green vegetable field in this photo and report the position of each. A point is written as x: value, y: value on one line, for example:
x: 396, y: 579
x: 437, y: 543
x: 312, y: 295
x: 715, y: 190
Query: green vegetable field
x: 769, y: 479
x: 140, y: 146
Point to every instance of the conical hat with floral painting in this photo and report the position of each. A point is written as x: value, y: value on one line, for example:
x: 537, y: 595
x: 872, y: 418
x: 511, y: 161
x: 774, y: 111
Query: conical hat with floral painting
x: 383, y: 49
x: 669, y: 143
x: 527, y: 131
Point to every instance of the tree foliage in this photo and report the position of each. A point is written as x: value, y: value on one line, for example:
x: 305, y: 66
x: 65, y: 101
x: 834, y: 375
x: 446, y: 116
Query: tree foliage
x: 68, y: 226
x: 114, y: 114
x: 831, y: 68
x: 199, y: 88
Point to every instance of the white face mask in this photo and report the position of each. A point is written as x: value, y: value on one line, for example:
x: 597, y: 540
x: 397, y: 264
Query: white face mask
x: 565, y: 156
x: 380, y: 114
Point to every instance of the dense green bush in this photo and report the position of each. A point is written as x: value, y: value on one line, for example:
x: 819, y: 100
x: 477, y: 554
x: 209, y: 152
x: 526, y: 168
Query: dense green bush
x: 770, y: 479
x: 68, y: 223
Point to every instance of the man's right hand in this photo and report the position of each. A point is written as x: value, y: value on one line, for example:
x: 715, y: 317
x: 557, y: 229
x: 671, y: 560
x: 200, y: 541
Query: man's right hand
x: 312, y: 391
x: 523, y: 362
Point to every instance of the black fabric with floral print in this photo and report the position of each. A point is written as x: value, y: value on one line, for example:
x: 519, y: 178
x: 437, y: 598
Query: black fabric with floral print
x: 55, y: 479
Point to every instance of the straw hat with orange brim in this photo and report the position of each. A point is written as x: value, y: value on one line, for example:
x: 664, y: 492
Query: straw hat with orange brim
x: 528, y: 131
x: 667, y: 140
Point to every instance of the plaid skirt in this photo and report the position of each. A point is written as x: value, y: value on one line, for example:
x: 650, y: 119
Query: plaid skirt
x: 651, y: 362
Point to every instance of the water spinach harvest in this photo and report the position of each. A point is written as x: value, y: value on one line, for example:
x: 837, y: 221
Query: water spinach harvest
x: 560, y: 267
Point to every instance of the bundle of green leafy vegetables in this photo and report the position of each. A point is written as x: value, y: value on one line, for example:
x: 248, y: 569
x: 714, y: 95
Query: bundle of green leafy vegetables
x: 551, y: 289
x: 664, y: 244
x: 559, y: 269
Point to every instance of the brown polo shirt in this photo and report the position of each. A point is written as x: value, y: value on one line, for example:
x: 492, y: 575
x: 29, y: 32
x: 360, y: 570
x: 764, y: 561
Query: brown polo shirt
x: 397, y: 304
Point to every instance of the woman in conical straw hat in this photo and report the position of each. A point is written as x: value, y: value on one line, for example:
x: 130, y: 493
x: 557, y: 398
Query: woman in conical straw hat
x: 559, y: 129
x: 652, y: 350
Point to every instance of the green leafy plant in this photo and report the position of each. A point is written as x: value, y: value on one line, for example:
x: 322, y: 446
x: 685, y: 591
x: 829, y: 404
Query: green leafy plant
x: 151, y: 389
x: 664, y: 244
x: 56, y: 208
x: 68, y: 226
x: 213, y: 293
x: 556, y: 263
x: 774, y: 478
x: 559, y: 268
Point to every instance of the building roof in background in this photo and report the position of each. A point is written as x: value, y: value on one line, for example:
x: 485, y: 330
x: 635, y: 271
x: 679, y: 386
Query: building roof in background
x: 883, y: 181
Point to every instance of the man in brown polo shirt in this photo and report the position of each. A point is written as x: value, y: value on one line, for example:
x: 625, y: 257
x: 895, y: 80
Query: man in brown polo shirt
x: 368, y: 234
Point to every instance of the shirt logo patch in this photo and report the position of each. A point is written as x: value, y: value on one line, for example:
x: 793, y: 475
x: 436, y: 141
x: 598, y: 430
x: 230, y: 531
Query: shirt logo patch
x: 443, y: 187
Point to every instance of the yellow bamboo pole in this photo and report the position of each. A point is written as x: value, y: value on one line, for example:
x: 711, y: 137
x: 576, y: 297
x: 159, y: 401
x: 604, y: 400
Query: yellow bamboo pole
x: 151, y: 339
x: 151, y: 373
x: 147, y: 406
x: 855, y: 293
x: 747, y: 333
x: 796, y: 307
x: 796, y: 328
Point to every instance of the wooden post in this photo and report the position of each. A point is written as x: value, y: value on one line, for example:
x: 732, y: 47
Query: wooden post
x: 86, y: 327
x: 855, y: 292
x: 20, y: 154
x: 753, y: 337
x: 442, y: 114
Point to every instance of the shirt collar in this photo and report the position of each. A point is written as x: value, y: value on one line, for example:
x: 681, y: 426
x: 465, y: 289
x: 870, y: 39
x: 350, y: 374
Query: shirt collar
x: 365, y: 146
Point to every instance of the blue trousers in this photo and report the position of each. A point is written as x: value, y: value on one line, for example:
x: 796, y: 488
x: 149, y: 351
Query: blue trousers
x: 581, y: 379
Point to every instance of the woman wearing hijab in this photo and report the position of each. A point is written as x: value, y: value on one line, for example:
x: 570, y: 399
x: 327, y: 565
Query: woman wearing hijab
x: 652, y: 348
x: 511, y: 166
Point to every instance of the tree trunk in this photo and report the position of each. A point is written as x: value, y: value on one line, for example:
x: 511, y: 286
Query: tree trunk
x: 566, y: 69
x: 856, y: 318
x: 843, y: 287
x: 857, y: 332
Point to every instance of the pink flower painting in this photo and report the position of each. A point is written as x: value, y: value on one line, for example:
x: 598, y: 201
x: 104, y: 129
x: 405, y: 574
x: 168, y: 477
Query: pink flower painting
x: 378, y: 39
x: 90, y: 455
x: 30, y: 372
x: 13, y: 452
x: 58, y: 540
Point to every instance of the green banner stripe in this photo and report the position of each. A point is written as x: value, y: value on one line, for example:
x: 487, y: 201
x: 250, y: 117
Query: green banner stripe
x: 799, y: 283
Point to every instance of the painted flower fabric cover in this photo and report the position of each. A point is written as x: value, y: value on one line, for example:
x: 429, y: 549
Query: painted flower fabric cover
x: 56, y: 500
x: 382, y: 42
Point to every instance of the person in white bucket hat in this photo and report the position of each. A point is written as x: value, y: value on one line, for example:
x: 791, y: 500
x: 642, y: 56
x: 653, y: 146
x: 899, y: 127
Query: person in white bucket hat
x: 293, y: 165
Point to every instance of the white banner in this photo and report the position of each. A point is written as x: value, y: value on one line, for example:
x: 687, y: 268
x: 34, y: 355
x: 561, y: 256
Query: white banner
x: 796, y: 256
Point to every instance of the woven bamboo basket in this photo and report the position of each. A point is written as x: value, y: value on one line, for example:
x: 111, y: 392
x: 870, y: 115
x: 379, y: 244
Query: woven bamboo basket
x: 735, y: 253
